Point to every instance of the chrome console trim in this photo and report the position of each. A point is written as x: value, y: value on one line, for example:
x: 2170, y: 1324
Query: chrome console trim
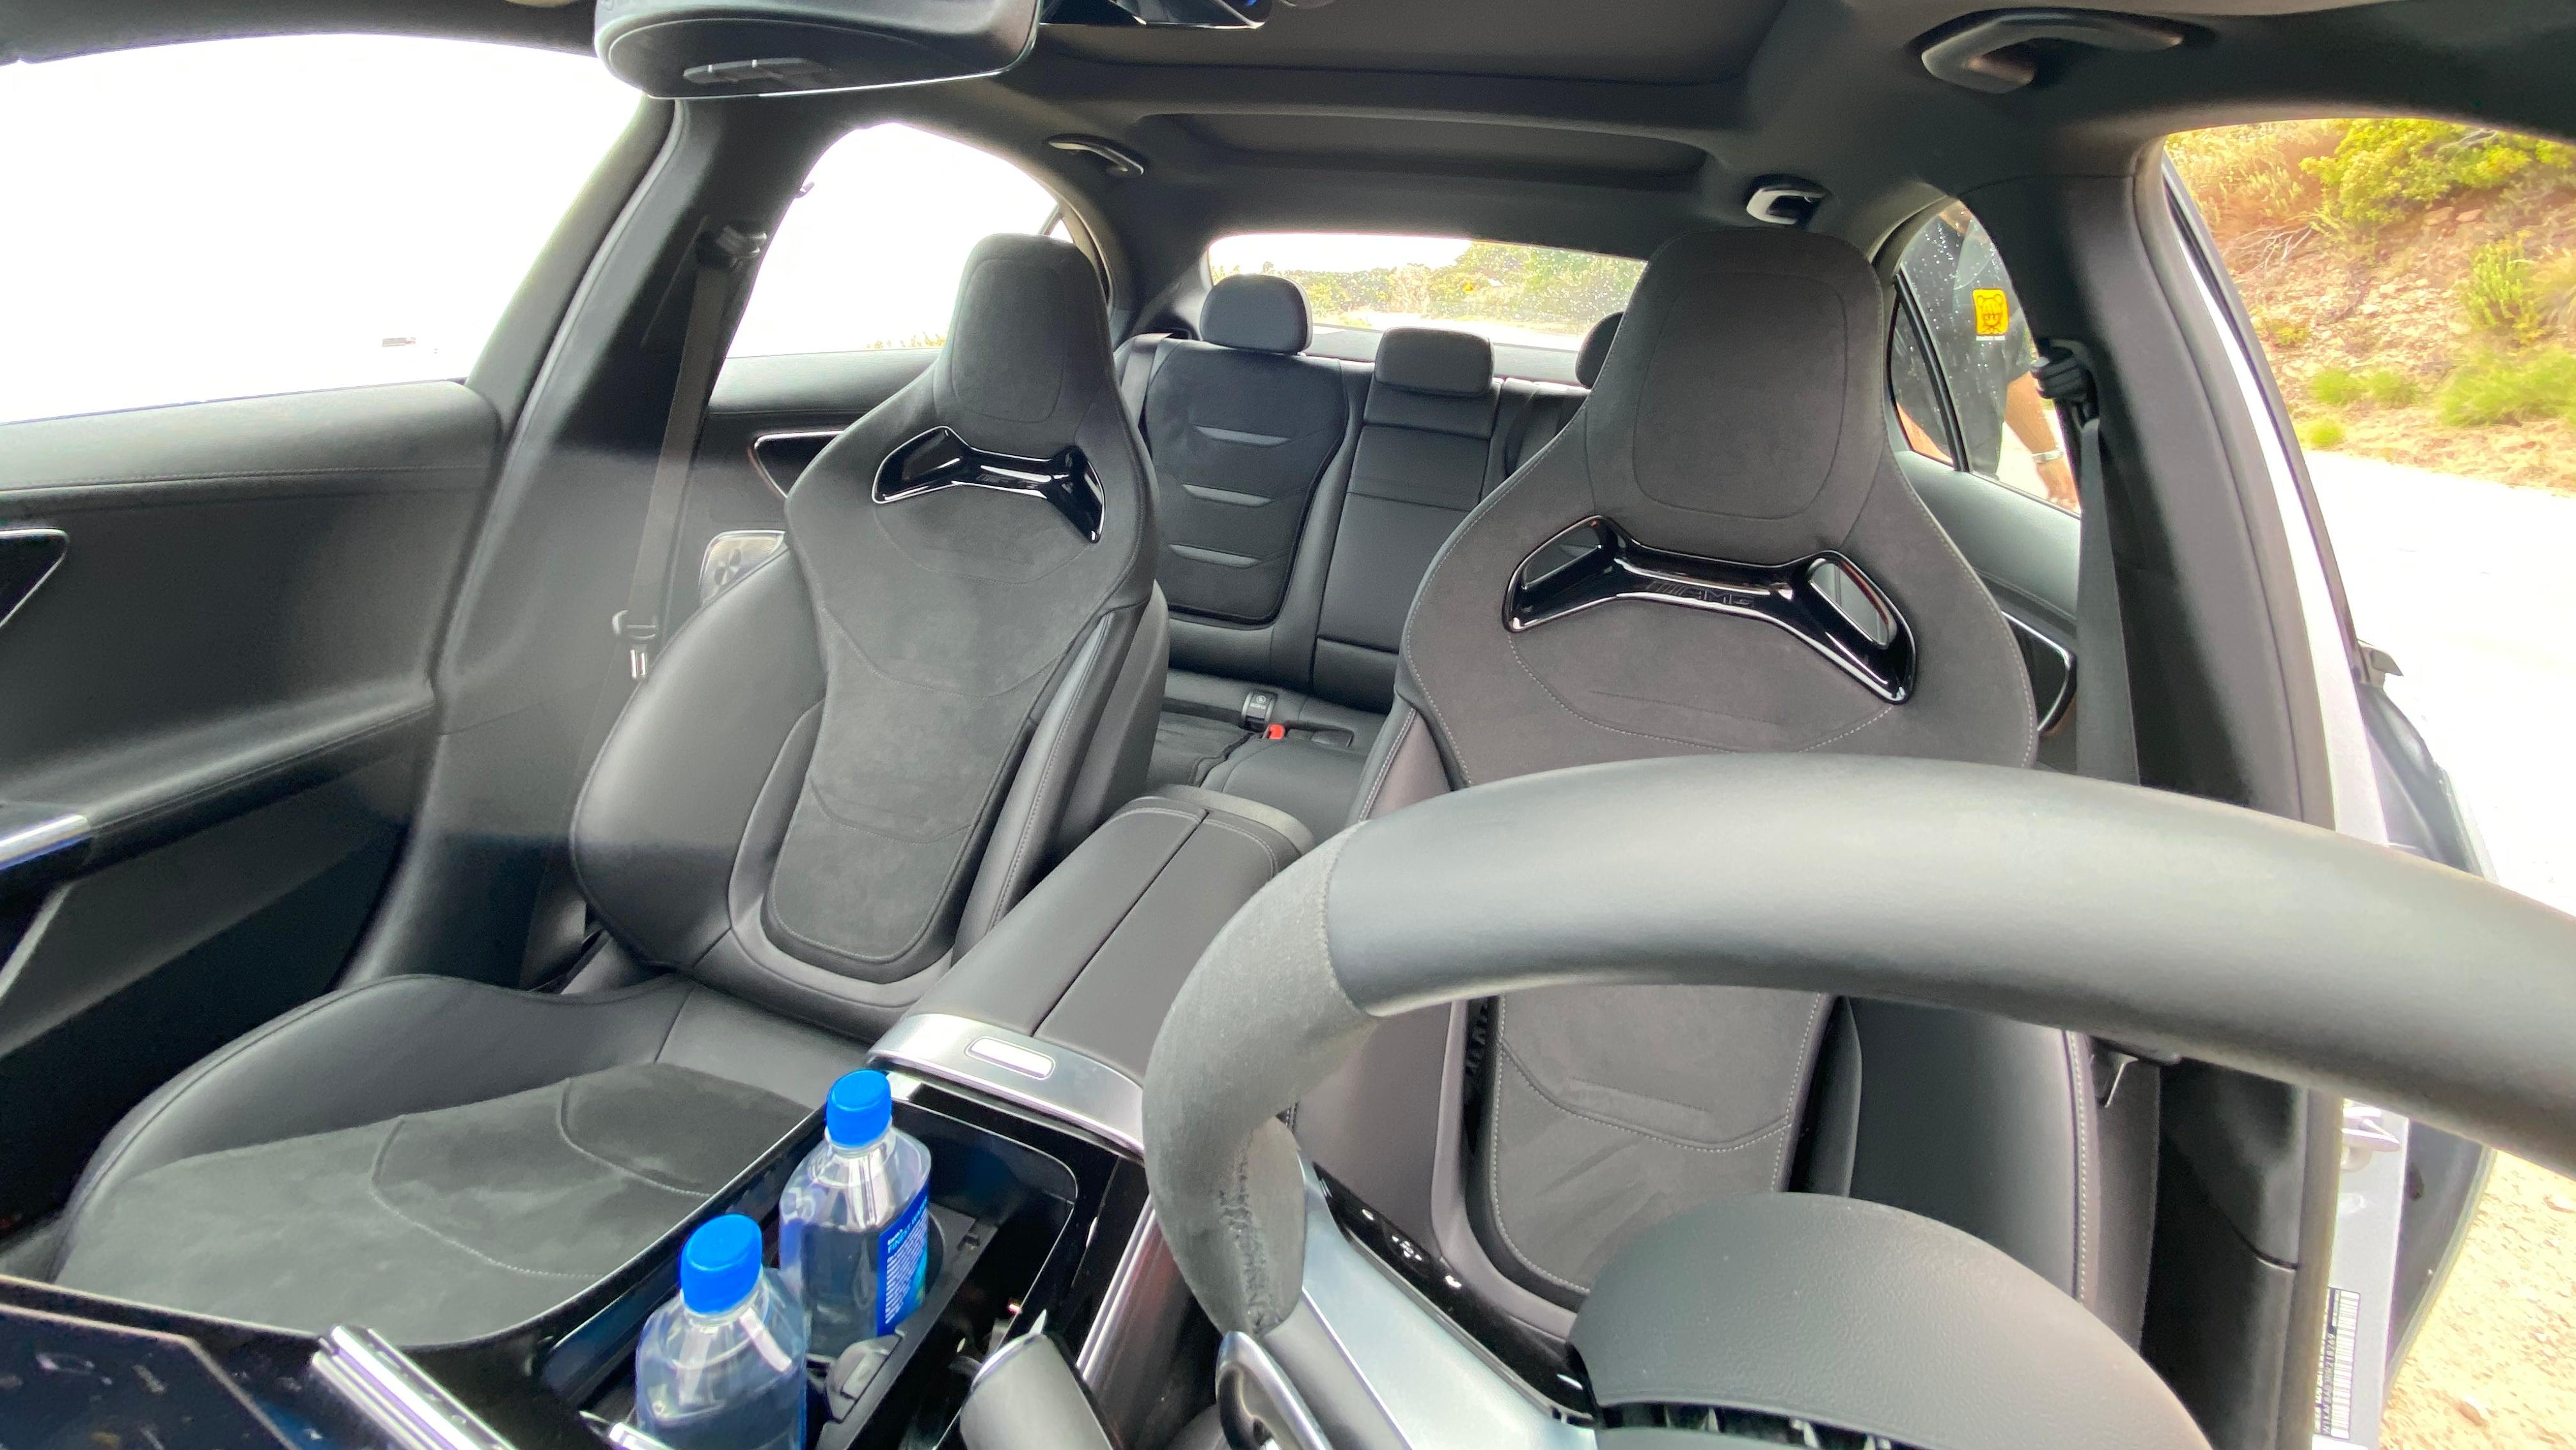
x: 1258, y: 1403
x: 1055, y: 1080
x: 1119, y: 1302
x: 1439, y: 1389
x: 396, y: 1396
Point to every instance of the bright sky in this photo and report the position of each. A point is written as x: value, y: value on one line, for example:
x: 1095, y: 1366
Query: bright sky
x: 871, y: 253
x: 261, y: 216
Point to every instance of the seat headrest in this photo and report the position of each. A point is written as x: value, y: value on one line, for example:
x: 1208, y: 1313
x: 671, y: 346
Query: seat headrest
x: 1595, y: 350
x: 1028, y: 346
x: 1256, y: 313
x: 1436, y: 361
x: 1740, y: 414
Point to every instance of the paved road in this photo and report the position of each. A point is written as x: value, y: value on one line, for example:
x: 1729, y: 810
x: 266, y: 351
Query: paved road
x: 2466, y: 583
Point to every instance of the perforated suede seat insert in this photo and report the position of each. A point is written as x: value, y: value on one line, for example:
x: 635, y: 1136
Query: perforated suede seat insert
x: 435, y: 1227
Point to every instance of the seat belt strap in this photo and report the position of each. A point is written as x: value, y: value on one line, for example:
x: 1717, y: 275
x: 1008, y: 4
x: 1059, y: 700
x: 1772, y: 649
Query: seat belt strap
x: 2106, y: 744
x: 720, y: 257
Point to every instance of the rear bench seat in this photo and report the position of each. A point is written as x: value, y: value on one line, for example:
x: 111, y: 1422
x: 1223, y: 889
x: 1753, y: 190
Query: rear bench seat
x: 1301, y: 500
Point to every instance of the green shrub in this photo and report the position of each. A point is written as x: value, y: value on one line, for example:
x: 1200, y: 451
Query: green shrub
x: 2279, y: 330
x: 2510, y: 390
x: 2384, y: 169
x: 2322, y: 433
x: 2379, y: 387
x: 2553, y: 281
x: 2500, y: 295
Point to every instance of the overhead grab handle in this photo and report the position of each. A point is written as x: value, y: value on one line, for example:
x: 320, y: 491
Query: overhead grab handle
x: 1991, y: 52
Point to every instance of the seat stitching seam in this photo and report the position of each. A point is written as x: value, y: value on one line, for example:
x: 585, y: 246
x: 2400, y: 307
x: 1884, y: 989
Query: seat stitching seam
x: 376, y: 1193
x: 1749, y: 1140
x: 1037, y: 808
x: 2077, y: 1096
x: 563, y: 1130
x: 1883, y: 712
x: 2030, y: 717
x: 1797, y: 1087
x: 1267, y: 851
x: 1386, y: 766
x: 1562, y: 704
x: 1494, y: 1177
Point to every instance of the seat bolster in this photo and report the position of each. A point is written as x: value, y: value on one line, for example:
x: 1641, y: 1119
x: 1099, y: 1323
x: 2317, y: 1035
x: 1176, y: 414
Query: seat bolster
x: 396, y: 1046
x: 1989, y: 1126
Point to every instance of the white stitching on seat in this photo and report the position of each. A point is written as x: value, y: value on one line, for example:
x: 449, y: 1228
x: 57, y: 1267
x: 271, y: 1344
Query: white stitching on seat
x: 563, y: 1130
x: 1267, y: 850
x: 391, y: 1130
x: 2079, y: 1092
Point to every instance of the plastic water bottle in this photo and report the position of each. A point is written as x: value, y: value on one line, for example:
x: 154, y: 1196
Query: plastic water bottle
x: 722, y: 1367
x: 854, y: 1223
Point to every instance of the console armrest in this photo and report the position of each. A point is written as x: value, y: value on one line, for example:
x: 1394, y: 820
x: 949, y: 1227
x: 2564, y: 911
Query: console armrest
x: 1092, y: 957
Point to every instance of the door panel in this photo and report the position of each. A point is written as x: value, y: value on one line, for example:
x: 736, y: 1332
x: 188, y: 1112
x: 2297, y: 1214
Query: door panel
x: 797, y: 399
x: 228, y: 676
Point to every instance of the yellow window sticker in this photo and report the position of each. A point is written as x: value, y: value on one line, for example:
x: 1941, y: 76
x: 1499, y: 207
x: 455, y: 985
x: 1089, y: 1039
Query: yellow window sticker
x: 1994, y: 312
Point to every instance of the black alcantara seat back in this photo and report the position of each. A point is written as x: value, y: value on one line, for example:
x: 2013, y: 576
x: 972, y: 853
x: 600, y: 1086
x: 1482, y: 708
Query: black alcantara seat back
x: 850, y: 764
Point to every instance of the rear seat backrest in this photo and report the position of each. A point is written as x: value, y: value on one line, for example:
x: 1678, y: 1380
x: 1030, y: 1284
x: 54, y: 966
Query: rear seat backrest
x: 1426, y: 438
x: 1242, y: 429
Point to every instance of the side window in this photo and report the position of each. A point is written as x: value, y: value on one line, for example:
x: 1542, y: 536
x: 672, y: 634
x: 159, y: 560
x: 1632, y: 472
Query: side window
x: 242, y: 217
x: 1971, y: 349
x: 860, y: 264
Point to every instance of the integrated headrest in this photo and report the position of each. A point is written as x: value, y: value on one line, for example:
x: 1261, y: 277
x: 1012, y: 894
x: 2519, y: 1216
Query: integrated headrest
x: 1256, y: 313
x: 1596, y: 349
x: 1739, y: 416
x: 1028, y: 346
x: 1435, y: 361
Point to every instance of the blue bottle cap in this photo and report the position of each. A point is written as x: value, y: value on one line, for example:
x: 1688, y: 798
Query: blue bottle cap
x: 858, y: 1110
x: 720, y: 1265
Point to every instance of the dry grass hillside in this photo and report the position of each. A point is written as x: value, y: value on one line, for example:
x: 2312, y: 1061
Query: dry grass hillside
x: 2414, y: 282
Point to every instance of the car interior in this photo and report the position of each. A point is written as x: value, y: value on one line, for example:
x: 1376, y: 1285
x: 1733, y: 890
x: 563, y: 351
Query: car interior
x: 1421, y: 888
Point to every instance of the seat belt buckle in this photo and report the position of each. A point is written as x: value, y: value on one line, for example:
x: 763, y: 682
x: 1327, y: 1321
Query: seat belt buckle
x: 1258, y: 706
x: 639, y: 636
x: 1275, y: 731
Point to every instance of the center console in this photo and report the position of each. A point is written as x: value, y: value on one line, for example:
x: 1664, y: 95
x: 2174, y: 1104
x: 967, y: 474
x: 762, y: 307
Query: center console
x: 1022, y: 1073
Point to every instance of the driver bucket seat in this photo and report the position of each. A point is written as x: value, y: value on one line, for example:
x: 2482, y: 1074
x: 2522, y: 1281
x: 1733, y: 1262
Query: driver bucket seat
x: 1583, y: 614
x: 839, y: 775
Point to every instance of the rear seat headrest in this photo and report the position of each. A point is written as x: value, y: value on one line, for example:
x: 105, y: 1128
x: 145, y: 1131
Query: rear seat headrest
x: 1256, y: 313
x: 1433, y: 360
x: 1596, y: 349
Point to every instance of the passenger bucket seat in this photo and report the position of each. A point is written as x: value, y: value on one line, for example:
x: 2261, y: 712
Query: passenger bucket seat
x: 1718, y: 554
x: 839, y: 774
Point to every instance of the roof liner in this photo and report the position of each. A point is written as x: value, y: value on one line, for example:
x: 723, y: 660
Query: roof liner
x: 1658, y: 41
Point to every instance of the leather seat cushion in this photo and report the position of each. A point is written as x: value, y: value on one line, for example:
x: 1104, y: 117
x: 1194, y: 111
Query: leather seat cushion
x: 435, y: 1227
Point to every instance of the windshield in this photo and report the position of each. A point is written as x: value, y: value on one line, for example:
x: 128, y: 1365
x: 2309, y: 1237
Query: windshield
x: 1512, y: 295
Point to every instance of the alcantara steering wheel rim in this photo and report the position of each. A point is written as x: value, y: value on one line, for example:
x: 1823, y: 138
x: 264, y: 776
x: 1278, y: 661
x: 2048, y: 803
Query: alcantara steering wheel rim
x: 2151, y: 918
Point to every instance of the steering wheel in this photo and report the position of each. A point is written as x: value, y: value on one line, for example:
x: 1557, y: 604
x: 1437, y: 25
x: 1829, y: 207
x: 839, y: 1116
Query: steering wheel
x: 2225, y: 935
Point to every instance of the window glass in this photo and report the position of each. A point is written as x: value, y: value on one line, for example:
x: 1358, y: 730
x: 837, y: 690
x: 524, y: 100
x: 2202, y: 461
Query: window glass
x: 241, y: 217
x: 859, y: 263
x: 1916, y: 394
x: 1973, y: 321
x: 1543, y: 297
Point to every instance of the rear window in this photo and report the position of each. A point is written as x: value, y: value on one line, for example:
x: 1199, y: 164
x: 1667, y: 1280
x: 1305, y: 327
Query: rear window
x: 1515, y: 296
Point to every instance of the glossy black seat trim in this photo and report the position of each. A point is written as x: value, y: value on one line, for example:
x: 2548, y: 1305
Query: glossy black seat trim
x: 1615, y: 566
x: 939, y: 459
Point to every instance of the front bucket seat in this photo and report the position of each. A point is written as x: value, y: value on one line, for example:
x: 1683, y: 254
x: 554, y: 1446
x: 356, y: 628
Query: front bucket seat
x: 840, y: 773
x: 1718, y: 554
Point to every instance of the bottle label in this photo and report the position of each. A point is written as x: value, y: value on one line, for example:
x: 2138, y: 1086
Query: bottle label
x: 903, y: 1258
